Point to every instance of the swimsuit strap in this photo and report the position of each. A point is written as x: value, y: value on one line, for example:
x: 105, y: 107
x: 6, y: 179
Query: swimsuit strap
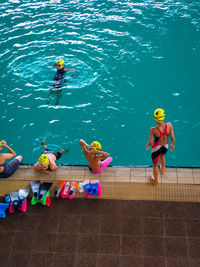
x: 159, y: 131
x: 165, y: 132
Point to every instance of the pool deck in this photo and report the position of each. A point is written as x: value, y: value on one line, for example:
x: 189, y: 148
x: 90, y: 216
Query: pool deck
x: 178, y: 184
x: 126, y: 227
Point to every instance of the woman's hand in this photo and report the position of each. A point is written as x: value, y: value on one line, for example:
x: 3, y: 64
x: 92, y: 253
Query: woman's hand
x: 3, y: 142
x: 147, y: 147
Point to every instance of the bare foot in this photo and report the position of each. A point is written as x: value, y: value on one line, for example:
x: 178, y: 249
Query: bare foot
x: 152, y: 180
x: 64, y: 150
x: 44, y: 144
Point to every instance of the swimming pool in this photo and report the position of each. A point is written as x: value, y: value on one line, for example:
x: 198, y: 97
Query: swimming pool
x: 129, y: 58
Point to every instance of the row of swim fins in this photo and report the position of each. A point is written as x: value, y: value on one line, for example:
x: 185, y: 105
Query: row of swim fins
x: 17, y: 201
x: 67, y: 190
x: 41, y: 193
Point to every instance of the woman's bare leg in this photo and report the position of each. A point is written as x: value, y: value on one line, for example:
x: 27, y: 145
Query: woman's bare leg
x: 154, y: 179
x: 162, y: 164
x: 19, y: 158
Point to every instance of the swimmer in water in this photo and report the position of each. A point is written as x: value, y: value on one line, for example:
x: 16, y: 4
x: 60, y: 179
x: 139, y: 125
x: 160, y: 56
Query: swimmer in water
x: 58, y: 79
x: 160, y: 145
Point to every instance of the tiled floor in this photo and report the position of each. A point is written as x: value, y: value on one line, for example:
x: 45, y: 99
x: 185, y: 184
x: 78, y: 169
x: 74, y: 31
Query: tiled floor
x: 102, y: 233
x: 117, y: 182
x: 111, y: 174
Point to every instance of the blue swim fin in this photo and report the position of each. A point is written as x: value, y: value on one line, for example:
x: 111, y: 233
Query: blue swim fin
x: 94, y: 188
x: 88, y: 188
x: 3, y: 208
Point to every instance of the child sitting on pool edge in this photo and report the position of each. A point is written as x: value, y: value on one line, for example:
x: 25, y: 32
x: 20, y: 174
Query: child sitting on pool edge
x: 47, y: 161
x: 7, y: 169
x: 160, y: 146
x: 96, y: 163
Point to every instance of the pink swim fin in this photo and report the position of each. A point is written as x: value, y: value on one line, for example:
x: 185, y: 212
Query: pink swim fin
x: 65, y: 190
x: 11, y: 208
x: 24, y: 206
x: 99, y: 191
x: 48, y: 202
x: 72, y: 191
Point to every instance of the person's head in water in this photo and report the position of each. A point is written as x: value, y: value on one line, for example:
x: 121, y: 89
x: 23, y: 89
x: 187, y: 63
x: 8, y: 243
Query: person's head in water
x: 159, y: 115
x: 1, y: 146
x: 44, y: 162
x: 60, y: 64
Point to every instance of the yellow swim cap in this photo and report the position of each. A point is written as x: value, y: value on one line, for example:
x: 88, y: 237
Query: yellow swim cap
x: 159, y: 115
x: 43, y: 159
x: 97, y: 145
x: 60, y: 62
x: 0, y: 143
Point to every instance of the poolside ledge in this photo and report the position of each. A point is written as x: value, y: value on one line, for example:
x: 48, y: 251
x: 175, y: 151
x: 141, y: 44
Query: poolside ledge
x: 178, y: 184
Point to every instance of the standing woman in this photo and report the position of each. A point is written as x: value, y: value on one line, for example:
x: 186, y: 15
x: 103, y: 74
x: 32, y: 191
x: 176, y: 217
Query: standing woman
x: 7, y: 169
x: 160, y: 145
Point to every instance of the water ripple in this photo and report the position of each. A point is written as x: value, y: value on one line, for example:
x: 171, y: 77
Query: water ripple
x: 128, y: 56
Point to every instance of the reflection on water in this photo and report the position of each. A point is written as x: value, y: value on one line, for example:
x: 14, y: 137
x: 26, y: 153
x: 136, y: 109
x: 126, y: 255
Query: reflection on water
x: 129, y: 58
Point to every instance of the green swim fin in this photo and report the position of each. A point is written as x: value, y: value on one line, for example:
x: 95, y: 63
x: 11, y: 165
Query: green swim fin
x: 44, y: 200
x: 43, y: 190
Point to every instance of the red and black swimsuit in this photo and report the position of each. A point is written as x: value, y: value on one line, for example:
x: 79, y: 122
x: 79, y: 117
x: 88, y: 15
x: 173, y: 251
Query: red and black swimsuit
x: 158, y: 150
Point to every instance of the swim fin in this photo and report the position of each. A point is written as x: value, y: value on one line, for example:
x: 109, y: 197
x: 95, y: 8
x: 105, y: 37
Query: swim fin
x: 73, y: 189
x: 59, y: 188
x: 34, y: 201
x: 35, y: 187
x: 14, y: 200
x: 87, y: 187
x: 3, y: 208
x: 44, y: 189
x: 23, y: 193
x: 48, y: 202
x: 23, y: 207
x: 99, y: 191
x: 80, y: 187
x: 94, y: 185
x: 65, y: 190
x: 44, y: 200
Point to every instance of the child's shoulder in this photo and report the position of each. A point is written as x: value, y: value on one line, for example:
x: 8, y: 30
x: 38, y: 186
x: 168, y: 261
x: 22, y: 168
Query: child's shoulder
x: 153, y: 128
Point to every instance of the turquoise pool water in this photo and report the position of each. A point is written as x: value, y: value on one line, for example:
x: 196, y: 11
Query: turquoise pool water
x: 129, y: 58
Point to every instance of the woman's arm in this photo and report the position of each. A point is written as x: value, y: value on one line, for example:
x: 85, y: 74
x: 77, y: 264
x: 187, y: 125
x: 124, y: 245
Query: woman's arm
x: 84, y: 145
x: 72, y: 70
x: 172, y: 137
x: 102, y: 153
x: 150, y: 139
x: 8, y: 155
x: 37, y: 168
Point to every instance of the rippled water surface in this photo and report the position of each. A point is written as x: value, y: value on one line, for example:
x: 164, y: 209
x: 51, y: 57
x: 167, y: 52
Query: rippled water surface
x: 129, y: 58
